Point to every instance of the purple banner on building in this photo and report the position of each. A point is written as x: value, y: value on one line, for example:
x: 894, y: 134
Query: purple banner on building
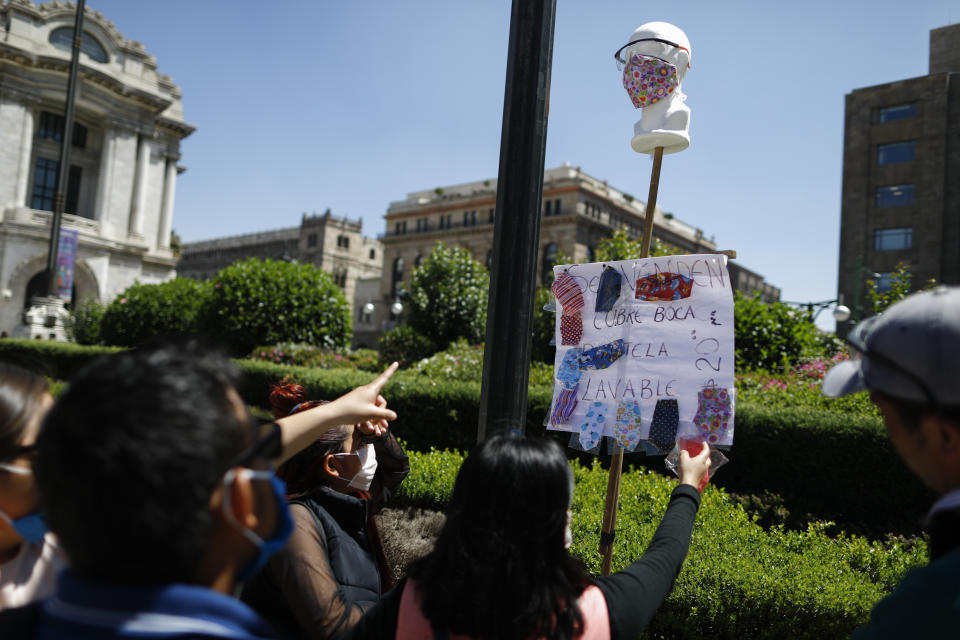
x: 66, y: 259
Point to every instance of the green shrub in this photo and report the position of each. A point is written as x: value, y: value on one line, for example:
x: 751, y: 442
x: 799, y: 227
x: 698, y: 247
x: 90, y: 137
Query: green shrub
x: 145, y: 310
x: 837, y: 466
x: 271, y: 301
x: 461, y: 361
x: 306, y: 355
x: 55, y: 360
x: 83, y: 323
x: 405, y: 345
x: 448, y: 297
x: 738, y: 580
x: 773, y: 336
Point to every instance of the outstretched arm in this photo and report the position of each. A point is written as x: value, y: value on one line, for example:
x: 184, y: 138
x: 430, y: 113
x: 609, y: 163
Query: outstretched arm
x: 360, y: 405
x: 634, y: 594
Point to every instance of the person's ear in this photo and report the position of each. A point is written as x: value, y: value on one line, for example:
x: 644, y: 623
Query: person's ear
x: 329, y: 466
x: 243, y: 500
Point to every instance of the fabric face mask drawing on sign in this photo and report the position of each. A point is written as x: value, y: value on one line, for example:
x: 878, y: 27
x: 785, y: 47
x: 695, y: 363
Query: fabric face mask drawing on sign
x: 570, y: 297
x: 569, y: 372
x: 626, y: 428
x: 649, y: 80
x: 664, y: 287
x: 713, y: 413
x: 566, y: 403
x: 608, y: 290
x: 603, y: 356
x: 591, y: 429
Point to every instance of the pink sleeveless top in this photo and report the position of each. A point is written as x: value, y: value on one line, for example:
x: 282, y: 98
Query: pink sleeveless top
x: 412, y: 625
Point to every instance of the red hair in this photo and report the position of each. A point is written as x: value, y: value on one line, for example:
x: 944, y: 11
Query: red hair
x: 287, y: 399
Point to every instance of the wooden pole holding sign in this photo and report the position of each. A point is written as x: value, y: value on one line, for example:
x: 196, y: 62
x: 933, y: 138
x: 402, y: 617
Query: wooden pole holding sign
x: 609, y: 527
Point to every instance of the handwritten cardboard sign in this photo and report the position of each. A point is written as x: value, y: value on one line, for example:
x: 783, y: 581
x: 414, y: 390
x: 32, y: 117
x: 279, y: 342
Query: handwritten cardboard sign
x: 645, y: 352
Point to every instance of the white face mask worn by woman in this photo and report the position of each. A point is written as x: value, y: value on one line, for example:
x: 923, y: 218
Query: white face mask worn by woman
x: 368, y: 467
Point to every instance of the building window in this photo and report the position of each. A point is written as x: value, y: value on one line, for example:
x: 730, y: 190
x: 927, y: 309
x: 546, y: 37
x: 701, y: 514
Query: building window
x: 897, y: 195
x: 546, y: 208
x: 469, y: 218
x: 899, y: 112
x: 45, y: 186
x: 312, y: 240
x: 426, y: 224
x: 892, y: 239
x: 556, y: 207
x: 896, y: 152
x: 373, y: 254
x: 400, y: 227
x: 549, y: 259
x: 62, y: 39
x: 490, y: 216
x: 884, y: 282
x: 51, y: 126
x: 419, y: 225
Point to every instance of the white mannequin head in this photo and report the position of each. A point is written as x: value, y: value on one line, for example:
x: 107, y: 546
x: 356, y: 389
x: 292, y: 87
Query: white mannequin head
x: 666, y: 122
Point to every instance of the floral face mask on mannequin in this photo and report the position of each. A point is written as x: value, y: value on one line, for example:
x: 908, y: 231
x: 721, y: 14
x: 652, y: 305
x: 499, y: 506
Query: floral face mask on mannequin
x: 648, y: 80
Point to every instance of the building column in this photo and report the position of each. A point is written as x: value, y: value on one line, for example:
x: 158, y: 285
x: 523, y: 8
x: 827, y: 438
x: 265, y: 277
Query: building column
x: 139, y: 201
x: 105, y: 179
x: 26, y: 153
x: 166, y: 210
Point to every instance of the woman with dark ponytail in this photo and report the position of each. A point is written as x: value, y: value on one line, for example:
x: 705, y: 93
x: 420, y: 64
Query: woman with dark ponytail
x: 333, y: 567
x: 500, y: 569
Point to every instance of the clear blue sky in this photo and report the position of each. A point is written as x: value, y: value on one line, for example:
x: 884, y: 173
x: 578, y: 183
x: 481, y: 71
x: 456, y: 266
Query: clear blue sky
x: 302, y: 105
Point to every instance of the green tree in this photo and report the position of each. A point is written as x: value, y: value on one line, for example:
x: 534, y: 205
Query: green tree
x: 619, y: 246
x: 899, y: 289
x: 145, y: 310
x: 772, y: 336
x: 257, y: 302
x: 83, y: 323
x: 544, y: 327
x: 448, y: 297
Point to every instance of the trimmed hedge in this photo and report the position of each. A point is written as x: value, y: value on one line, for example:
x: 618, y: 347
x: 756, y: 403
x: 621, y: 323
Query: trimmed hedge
x: 57, y: 360
x: 824, y: 465
x: 739, y: 581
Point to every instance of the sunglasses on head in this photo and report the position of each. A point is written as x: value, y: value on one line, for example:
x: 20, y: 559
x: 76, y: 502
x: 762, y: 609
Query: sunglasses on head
x: 620, y: 59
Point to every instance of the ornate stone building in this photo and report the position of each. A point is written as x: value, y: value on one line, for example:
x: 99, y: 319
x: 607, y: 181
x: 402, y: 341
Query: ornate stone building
x: 334, y: 244
x: 578, y: 212
x: 123, y: 166
x: 901, y: 178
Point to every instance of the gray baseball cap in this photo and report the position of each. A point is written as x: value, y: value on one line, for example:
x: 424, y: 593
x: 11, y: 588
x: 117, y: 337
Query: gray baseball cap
x: 911, y: 351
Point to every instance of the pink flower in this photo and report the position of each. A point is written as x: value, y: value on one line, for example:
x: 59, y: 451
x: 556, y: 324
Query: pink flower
x: 123, y: 301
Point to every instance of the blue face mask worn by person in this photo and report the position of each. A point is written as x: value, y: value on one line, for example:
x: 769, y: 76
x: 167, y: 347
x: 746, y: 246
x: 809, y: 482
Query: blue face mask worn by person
x: 281, y: 532
x: 31, y: 527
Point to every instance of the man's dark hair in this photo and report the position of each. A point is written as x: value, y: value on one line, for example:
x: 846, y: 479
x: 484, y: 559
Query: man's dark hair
x: 129, y: 456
